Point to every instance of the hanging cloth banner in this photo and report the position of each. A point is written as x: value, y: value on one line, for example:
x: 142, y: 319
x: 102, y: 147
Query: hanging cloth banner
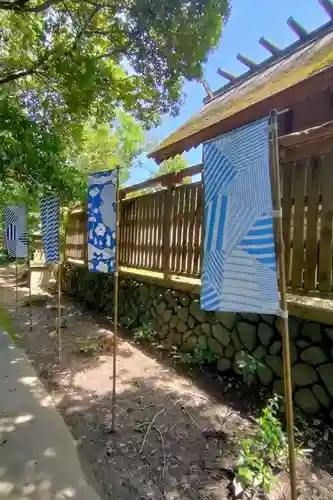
x: 50, y: 213
x: 102, y: 221
x: 16, y: 231
x: 239, y: 265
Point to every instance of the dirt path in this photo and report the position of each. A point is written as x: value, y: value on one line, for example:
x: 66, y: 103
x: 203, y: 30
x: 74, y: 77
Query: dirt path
x: 160, y: 450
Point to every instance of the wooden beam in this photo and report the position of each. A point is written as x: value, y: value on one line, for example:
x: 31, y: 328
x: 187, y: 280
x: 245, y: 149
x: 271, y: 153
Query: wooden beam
x: 245, y: 60
x: 299, y: 31
x: 308, y: 135
x: 165, y: 180
x: 226, y: 74
x: 273, y: 49
x: 327, y: 5
x: 207, y: 88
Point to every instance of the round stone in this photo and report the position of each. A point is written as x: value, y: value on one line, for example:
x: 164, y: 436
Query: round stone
x: 221, y: 334
x: 312, y: 331
x: 306, y: 400
x: 314, y: 355
x: 230, y: 351
x: 265, y: 374
x: 303, y: 374
x: 215, y: 347
x: 202, y: 342
x: 275, y: 348
x: 275, y: 363
x: 321, y: 395
x: 265, y: 333
x: 247, y: 334
x: 259, y: 352
x: 326, y: 373
x: 181, y: 327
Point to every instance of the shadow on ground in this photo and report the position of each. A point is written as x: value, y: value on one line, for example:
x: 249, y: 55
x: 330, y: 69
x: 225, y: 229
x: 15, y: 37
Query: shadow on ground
x: 161, y: 449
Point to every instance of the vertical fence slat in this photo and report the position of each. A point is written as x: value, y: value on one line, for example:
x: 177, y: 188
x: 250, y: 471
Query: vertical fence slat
x: 135, y: 234
x: 167, y: 229
x: 311, y: 248
x: 152, y: 200
x: 190, y: 243
x: 197, y: 232
x: 185, y: 226
x: 287, y: 204
x: 325, y: 246
x: 175, y: 209
x: 180, y: 219
x: 159, y: 226
x: 140, y: 241
x: 298, y: 240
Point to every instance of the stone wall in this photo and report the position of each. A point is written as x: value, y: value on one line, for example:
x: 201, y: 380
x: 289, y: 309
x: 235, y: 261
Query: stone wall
x: 178, y: 320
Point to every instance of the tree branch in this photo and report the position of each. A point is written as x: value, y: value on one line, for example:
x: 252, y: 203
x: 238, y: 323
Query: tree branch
x: 20, y: 6
x: 10, y: 77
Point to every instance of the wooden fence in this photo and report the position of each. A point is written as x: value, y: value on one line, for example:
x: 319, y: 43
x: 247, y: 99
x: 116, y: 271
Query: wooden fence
x: 162, y: 230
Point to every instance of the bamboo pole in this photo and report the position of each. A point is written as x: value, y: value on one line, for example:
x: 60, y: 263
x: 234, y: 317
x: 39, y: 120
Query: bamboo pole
x: 59, y: 311
x: 59, y: 291
x: 276, y: 197
x: 29, y: 283
x: 29, y: 272
x: 16, y: 286
x: 115, y: 310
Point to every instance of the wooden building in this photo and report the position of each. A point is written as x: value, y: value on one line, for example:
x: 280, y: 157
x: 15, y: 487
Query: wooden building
x: 297, y: 81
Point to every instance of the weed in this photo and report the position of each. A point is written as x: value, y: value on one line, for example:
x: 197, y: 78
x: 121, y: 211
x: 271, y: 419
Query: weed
x: 264, y: 452
x: 248, y: 366
x: 144, y: 333
x: 200, y: 357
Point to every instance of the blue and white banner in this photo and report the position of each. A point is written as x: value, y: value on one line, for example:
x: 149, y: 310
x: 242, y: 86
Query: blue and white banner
x: 102, y: 221
x: 50, y: 213
x: 16, y: 231
x: 239, y: 265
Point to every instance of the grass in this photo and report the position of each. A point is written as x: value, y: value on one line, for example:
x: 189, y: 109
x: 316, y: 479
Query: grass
x: 6, y: 323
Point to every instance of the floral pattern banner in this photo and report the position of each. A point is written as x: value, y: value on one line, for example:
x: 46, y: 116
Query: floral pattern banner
x: 102, y: 221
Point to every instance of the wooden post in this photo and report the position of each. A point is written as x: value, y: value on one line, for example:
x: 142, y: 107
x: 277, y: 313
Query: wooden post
x: 115, y: 308
x: 167, y: 223
x: 276, y: 197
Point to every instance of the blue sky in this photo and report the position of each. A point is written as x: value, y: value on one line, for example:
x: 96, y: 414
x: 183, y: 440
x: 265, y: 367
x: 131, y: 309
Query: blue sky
x: 249, y: 20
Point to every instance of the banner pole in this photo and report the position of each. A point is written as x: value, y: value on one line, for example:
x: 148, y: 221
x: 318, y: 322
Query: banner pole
x: 16, y: 287
x: 280, y: 252
x: 59, y: 291
x: 115, y: 304
x: 29, y: 273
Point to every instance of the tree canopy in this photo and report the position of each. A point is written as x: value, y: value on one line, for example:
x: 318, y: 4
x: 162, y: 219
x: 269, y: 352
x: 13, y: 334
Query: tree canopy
x: 105, y: 147
x: 84, y: 58
x: 72, y: 70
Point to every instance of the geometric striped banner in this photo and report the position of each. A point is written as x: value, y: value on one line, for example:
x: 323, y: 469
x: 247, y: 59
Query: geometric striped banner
x: 239, y: 263
x: 50, y: 213
x: 16, y: 231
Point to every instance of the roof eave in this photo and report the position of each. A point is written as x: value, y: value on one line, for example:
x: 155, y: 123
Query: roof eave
x: 280, y: 100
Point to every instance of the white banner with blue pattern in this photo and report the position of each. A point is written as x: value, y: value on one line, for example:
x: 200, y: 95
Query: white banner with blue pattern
x: 50, y: 213
x: 239, y: 266
x: 102, y: 221
x: 16, y: 231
